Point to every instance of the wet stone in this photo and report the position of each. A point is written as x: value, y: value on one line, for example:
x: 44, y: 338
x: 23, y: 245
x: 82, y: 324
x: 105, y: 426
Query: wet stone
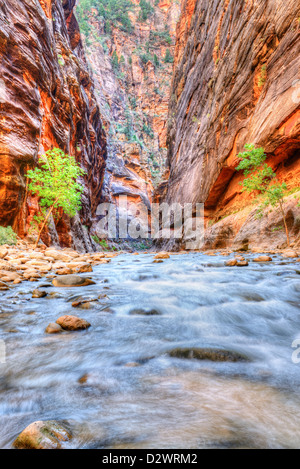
x: 143, y: 312
x: 39, y: 294
x: 72, y: 281
x: 215, y: 355
x: 43, y: 435
x: 54, y: 328
x: 73, y: 323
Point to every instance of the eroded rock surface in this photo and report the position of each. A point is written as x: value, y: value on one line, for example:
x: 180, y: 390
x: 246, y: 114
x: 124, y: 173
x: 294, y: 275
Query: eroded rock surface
x: 236, y: 81
x: 46, y: 100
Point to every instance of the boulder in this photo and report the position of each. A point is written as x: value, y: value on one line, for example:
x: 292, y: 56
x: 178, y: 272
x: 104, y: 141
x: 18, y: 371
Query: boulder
x: 58, y: 255
x: 72, y: 323
x: 72, y: 281
x: 162, y: 255
x: 262, y: 259
x: 31, y: 274
x: 39, y: 293
x: 3, y: 252
x: 290, y: 254
x: 82, y: 268
x: 231, y: 262
x: 43, y: 435
x: 7, y: 276
x: 64, y: 271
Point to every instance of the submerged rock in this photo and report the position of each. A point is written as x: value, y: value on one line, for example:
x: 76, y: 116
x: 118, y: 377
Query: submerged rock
x: 39, y: 294
x: 84, y: 303
x: 143, y: 312
x: 72, y: 281
x: 3, y: 286
x: 54, y: 328
x: 215, y: 355
x: 43, y: 435
x: 72, y: 323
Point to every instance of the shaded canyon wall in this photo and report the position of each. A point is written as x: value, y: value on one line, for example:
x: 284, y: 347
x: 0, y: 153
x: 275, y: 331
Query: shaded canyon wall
x: 132, y: 85
x: 236, y: 81
x: 46, y: 100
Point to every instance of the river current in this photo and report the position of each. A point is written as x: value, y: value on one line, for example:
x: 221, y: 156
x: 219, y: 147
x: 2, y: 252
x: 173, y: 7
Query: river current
x: 115, y: 385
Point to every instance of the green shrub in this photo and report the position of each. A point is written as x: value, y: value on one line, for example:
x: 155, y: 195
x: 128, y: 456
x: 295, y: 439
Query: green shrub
x: 102, y: 242
x: 114, y: 12
x: 7, y: 236
x: 146, y: 10
x: 168, y: 57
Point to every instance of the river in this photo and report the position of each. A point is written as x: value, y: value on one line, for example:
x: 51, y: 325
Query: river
x: 115, y: 385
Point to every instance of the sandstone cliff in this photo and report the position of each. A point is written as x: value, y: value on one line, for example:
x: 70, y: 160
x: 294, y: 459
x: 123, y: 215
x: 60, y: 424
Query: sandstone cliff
x: 132, y: 63
x: 46, y: 100
x: 236, y: 81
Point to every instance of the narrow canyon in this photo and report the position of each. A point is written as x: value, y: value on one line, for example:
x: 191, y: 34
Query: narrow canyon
x: 163, y: 332
x: 155, y: 100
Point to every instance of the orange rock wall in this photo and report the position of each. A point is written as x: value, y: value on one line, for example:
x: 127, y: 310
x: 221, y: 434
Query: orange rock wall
x: 46, y: 100
x: 236, y: 81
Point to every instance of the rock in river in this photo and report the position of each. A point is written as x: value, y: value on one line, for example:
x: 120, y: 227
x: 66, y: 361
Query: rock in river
x: 72, y: 281
x: 54, y: 328
x: 262, y: 259
x: 143, y: 312
x: 39, y: 293
x: 43, y: 435
x: 72, y: 323
x: 215, y: 355
x: 162, y: 255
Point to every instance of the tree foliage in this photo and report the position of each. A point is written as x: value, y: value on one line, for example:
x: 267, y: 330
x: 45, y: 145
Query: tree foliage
x: 262, y: 178
x: 168, y: 57
x: 114, y: 12
x: 146, y: 10
x: 7, y: 236
x: 55, y: 181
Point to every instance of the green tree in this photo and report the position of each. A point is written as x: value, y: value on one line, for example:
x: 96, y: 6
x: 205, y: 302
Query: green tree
x: 55, y: 182
x: 168, y: 57
x: 262, y: 178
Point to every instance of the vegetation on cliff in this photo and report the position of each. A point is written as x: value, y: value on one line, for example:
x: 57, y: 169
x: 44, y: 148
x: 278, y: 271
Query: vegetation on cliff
x: 260, y: 178
x: 56, y: 184
x: 137, y: 39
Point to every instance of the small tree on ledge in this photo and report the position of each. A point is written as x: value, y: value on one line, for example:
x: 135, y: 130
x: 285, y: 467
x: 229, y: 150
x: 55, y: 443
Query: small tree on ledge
x: 262, y: 178
x: 55, y: 182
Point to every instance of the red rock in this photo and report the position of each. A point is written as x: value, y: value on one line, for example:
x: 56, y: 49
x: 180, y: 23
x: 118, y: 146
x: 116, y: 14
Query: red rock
x: 72, y: 323
x: 47, y: 100
x: 262, y: 259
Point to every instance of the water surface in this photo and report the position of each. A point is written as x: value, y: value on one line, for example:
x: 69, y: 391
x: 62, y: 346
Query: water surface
x: 161, y: 402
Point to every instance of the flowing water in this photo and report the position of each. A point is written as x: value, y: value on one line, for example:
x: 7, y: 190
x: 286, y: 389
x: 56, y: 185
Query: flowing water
x: 161, y: 402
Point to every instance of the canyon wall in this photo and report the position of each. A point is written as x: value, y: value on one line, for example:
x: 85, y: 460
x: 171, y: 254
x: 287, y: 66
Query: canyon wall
x: 236, y: 81
x: 132, y: 64
x: 46, y: 100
